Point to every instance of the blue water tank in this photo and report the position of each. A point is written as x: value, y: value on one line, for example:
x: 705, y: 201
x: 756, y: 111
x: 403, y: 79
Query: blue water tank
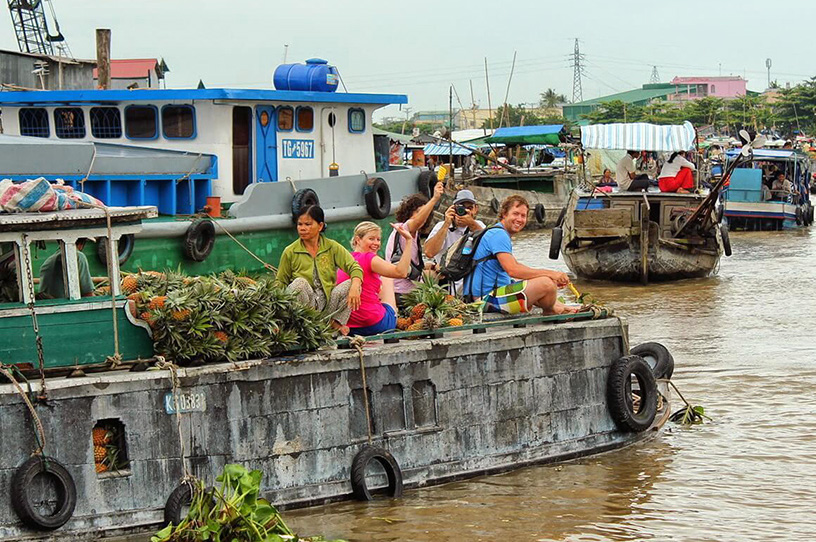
x: 314, y: 76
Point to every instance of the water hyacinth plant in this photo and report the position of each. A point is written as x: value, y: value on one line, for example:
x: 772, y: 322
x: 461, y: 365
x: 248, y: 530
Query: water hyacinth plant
x: 222, y: 317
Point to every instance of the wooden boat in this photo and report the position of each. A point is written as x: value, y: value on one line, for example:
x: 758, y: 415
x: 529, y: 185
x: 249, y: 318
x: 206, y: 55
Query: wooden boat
x: 640, y: 236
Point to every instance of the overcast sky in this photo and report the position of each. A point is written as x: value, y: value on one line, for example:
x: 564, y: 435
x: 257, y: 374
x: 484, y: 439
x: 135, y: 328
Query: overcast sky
x: 420, y: 48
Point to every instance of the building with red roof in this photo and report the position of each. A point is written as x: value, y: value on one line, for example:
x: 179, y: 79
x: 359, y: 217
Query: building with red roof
x: 136, y: 73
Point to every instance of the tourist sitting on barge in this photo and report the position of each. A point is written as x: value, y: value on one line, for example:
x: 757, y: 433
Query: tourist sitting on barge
x: 308, y: 267
x: 378, y: 307
x: 676, y: 174
x: 412, y: 213
x: 496, y: 267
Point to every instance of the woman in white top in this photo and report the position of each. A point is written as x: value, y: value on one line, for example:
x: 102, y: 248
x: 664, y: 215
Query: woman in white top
x: 676, y: 174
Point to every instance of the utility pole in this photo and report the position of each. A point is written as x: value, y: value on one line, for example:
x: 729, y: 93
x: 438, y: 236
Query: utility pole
x: 655, y: 78
x: 768, y: 65
x: 578, y: 71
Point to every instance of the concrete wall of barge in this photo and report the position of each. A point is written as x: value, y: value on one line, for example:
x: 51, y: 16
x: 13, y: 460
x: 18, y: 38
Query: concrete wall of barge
x: 445, y: 408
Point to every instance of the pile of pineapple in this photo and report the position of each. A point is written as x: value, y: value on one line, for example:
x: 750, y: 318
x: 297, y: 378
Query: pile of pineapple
x: 107, y: 455
x: 430, y: 306
x: 221, y: 317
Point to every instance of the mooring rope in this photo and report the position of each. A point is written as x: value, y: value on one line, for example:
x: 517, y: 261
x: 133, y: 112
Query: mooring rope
x: 357, y: 342
x: 40, y: 435
x: 161, y: 363
x: 267, y: 266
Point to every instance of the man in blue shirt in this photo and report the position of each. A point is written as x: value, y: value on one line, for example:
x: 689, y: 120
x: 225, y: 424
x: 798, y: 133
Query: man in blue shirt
x: 492, y: 279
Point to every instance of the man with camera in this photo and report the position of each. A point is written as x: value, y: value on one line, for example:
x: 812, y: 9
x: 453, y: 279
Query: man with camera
x: 459, y: 219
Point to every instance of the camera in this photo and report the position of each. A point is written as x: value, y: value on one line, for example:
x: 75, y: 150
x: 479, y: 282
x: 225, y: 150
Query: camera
x: 461, y: 210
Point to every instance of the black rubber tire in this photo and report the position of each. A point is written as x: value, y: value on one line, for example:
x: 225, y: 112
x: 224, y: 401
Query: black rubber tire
x: 555, y: 242
x: 561, y: 216
x: 426, y: 182
x: 539, y: 213
x: 179, y: 498
x: 619, y: 394
x: 377, y: 197
x: 389, y: 464
x: 199, y: 240
x: 495, y: 205
x: 658, y: 357
x: 810, y: 213
x: 720, y: 213
x: 726, y: 240
x: 303, y: 198
x: 126, y: 243
x: 799, y: 216
x: 21, y: 500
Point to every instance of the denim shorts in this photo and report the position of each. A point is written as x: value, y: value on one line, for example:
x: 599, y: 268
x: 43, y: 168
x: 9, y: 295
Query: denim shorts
x: 388, y: 322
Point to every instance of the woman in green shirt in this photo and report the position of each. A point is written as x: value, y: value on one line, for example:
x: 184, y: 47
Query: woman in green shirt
x: 308, y: 268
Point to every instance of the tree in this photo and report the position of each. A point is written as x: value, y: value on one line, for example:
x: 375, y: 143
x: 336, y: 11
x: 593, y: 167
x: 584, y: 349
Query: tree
x: 615, y: 111
x: 514, y: 117
x: 550, y: 99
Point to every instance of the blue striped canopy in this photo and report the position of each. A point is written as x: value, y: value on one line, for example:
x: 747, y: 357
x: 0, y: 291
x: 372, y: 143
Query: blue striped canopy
x: 436, y: 149
x: 638, y: 136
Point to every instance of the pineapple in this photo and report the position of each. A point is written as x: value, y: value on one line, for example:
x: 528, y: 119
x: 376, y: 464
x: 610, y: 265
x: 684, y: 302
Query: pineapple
x: 221, y: 336
x: 418, y: 312
x: 101, y: 467
x: 417, y: 326
x: 403, y: 323
x: 456, y: 322
x: 100, y: 454
x: 157, y: 302
x: 449, y: 299
x: 132, y: 308
x: 246, y: 281
x: 147, y: 317
x: 101, y: 436
x: 130, y: 284
x: 180, y: 315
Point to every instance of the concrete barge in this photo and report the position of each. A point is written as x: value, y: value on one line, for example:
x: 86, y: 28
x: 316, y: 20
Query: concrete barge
x: 533, y: 390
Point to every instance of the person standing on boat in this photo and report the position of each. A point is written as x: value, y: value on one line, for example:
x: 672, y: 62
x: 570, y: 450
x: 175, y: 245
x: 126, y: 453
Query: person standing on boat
x: 676, y: 175
x: 52, y: 283
x: 412, y: 213
x: 378, y: 306
x: 460, y: 218
x: 492, y: 279
x: 308, y: 268
x: 626, y: 174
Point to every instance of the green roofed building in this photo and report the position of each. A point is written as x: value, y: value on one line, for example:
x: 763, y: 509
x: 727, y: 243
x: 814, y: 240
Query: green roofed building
x: 641, y: 96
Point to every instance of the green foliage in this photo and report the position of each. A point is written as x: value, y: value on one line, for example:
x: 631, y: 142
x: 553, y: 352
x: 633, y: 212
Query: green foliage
x: 407, y: 127
x: 232, y: 512
x: 551, y: 98
x: 225, y: 317
x: 689, y: 415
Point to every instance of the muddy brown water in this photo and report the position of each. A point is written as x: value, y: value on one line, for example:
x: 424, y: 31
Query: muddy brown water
x: 744, y: 350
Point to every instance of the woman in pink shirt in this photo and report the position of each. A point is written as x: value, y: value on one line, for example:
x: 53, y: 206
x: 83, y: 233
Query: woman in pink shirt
x: 377, y: 312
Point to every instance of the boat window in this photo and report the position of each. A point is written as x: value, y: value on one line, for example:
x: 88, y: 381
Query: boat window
x: 356, y: 120
x: 34, y: 122
x: 69, y: 122
x: 286, y: 118
x: 305, y: 119
x: 106, y: 122
x: 178, y: 121
x: 141, y: 122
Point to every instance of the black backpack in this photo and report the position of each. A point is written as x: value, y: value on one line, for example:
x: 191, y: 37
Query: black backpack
x: 457, y: 262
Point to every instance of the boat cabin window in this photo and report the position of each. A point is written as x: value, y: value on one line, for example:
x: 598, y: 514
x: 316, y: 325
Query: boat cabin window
x: 141, y: 122
x: 106, y: 122
x: 178, y: 121
x: 286, y: 117
x: 69, y: 122
x: 34, y: 122
x: 9, y: 288
x: 305, y: 119
x: 356, y: 120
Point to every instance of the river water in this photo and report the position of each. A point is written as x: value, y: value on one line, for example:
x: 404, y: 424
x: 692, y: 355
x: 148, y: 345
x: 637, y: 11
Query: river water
x: 743, y: 349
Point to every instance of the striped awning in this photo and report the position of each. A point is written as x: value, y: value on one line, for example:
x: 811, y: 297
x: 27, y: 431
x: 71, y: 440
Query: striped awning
x: 638, y: 136
x: 446, y: 149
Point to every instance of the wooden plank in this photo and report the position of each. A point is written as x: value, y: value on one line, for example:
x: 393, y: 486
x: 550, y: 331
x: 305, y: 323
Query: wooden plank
x: 604, y: 232
x: 603, y: 218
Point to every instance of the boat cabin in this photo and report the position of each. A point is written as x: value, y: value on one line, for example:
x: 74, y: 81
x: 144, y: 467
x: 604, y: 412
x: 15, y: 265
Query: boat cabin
x: 74, y: 331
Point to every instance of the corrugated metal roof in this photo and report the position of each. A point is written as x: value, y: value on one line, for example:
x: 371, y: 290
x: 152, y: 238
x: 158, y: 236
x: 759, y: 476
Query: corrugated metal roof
x: 638, y: 136
x: 630, y: 96
x: 543, y: 134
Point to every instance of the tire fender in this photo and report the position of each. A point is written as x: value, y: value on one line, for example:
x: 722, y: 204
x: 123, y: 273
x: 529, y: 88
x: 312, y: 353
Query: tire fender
x: 726, y: 240
x: 125, y: 247
x: 561, y: 217
x: 555, y: 242
x: 388, y: 463
x: 540, y: 213
x: 426, y: 182
x: 799, y: 216
x: 303, y: 198
x: 377, y: 197
x: 21, y: 498
x: 619, y: 394
x: 199, y: 240
x: 495, y: 205
x: 657, y: 356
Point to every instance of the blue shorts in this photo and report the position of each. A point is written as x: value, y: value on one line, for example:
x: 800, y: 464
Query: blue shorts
x: 388, y: 322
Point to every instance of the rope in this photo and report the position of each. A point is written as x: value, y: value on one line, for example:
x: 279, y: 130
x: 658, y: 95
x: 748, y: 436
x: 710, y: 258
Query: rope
x: 268, y: 267
x: 357, y: 342
x: 161, y: 363
x: 39, y: 436
x: 90, y: 168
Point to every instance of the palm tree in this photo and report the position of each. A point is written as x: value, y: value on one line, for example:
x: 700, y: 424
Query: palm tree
x: 551, y: 98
